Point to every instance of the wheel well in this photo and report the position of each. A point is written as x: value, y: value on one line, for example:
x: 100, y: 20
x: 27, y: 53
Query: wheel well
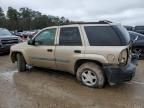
x: 13, y: 56
x: 80, y: 62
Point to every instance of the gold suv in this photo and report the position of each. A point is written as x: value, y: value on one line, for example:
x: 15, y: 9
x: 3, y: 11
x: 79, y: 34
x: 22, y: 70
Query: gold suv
x: 95, y: 52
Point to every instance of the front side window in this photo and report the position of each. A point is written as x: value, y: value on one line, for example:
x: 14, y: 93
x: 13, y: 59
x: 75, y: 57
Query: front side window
x: 46, y: 37
x: 70, y: 36
x: 102, y: 36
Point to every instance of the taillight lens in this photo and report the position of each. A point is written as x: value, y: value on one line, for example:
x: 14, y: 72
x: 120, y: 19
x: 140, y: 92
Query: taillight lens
x: 123, y: 57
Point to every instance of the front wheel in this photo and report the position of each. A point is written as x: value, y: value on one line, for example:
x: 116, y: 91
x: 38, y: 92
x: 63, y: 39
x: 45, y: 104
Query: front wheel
x: 91, y: 75
x: 21, y: 64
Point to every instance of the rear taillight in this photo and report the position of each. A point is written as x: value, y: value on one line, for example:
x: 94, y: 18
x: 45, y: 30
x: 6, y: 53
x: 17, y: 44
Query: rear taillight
x: 123, y: 57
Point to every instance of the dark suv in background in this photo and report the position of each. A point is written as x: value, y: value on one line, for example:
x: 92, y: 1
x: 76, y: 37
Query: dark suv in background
x: 139, y: 29
x: 138, y: 45
x: 7, y: 40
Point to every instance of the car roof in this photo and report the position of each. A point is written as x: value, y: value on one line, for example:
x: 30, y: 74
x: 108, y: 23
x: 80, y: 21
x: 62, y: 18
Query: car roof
x: 100, y: 23
x: 103, y: 22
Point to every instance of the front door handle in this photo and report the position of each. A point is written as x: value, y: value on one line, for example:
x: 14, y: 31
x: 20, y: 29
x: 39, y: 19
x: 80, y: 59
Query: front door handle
x: 49, y: 50
x: 77, y: 51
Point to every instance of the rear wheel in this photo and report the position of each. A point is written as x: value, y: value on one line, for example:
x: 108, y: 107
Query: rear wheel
x: 91, y: 75
x: 21, y: 64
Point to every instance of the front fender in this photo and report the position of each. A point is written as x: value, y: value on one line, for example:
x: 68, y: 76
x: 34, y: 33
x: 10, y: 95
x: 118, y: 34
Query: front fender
x: 13, y: 56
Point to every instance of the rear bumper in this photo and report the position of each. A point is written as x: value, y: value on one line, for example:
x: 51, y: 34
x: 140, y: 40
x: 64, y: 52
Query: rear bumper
x: 116, y: 74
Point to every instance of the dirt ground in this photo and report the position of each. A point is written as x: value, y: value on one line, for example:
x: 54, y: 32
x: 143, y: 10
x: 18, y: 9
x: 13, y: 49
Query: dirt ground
x: 43, y: 88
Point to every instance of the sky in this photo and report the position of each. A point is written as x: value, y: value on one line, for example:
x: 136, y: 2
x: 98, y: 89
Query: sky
x: 127, y: 12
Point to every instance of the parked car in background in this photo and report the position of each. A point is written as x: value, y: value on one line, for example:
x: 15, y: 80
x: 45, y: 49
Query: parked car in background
x: 138, y: 45
x: 29, y: 34
x: 95, y: 52
x: 33, y: 33
x: 18, y: 33
x: 139, y: 29
x: 7, y: 40
x: 129, y: 28
x: 25, y: 35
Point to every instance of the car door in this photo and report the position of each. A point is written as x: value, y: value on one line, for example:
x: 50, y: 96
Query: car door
x: 70, y: 47
x: 41, y: 54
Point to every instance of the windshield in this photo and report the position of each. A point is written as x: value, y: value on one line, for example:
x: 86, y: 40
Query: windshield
x: 4, y: 32
x: 134, y: 35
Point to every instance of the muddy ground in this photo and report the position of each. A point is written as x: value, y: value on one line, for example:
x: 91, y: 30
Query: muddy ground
x: 43, y: 88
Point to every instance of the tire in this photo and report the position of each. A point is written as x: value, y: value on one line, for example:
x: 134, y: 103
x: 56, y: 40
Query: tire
x: 91, y: 75
x: 21, y: 64
x: 137, y: 50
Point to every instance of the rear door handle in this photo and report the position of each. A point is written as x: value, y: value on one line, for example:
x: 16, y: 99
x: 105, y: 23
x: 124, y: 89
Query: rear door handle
x: 49, y: 50
x: 77, y: 51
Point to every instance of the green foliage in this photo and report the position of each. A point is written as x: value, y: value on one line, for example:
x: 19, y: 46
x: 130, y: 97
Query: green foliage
x: 1, y: 13
x: 2, y: 18
x: 28, y: 19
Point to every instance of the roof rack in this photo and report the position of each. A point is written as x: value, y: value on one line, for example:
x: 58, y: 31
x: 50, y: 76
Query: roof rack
x: 99, y: 22
x: 106, y: 21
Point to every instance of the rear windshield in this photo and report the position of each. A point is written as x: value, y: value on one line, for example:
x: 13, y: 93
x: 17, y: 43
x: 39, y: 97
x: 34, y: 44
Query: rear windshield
x: 115, y: 35
x: 102, y: 36
x: 123, y: 34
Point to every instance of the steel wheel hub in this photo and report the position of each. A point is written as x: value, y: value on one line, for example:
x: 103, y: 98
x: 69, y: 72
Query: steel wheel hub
x: 89, y: 78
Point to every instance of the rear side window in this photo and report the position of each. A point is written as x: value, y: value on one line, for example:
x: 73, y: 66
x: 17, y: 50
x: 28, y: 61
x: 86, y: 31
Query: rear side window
x: 70, y: 36
x: 102, y: 36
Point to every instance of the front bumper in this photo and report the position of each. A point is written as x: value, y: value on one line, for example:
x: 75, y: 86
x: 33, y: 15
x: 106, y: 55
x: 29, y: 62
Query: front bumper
x: 141, y: 57
x: 5, y: 48
x: 117, y: 74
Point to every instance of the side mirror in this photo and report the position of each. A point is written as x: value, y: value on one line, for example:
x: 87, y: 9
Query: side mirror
x: 30, y: 42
